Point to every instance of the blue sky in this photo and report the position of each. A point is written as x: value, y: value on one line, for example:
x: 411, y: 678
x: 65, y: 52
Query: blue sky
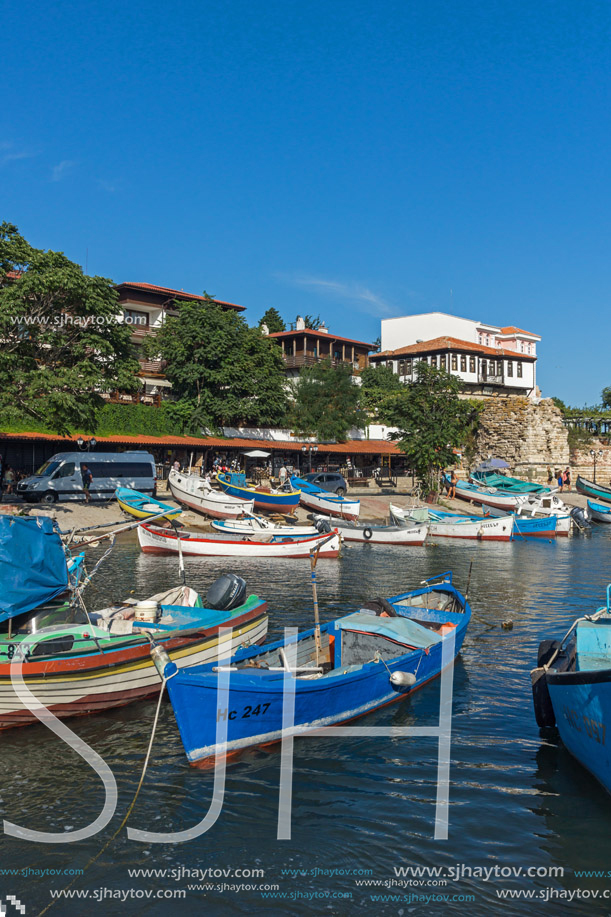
x: 356, y: 160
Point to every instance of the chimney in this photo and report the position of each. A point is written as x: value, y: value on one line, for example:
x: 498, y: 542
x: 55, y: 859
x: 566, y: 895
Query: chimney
x: 322, y: 327
x: 300, y: 324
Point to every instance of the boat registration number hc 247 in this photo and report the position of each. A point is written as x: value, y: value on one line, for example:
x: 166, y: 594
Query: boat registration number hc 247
x: 247, y: 712
x: 594, y: 729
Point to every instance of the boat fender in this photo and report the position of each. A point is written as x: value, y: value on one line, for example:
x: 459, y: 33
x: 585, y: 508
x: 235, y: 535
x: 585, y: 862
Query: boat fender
x: 403, y: 679
x: 226, y: 592
x: 542, y: 702
x: 163, y: 663
x: 547, y: 648
x: 367, y: 533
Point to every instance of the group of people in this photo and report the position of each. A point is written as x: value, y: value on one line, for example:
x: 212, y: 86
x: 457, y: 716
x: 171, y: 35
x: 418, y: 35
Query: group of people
x: 562, y: 478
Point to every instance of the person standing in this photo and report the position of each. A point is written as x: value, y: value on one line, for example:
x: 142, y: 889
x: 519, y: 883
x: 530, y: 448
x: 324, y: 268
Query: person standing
x: 87, y: 477
x: 567, y: 479
x: 453, y: 483
x: 560, y: 480
x: 9, y: 478
x: 550, y: 476
x: 282, y: 476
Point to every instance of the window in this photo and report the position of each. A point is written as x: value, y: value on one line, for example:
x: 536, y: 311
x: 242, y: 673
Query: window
x: 138, y: 319
x: 66, y: 470
x: 401, y: 367
x: 499, y: 367
x: 408, y: 367
x: 442, y: 361
x: 471, y: 364
x: 454, y: 362
x: 463, y: 363
x: 519, y: 370
x: 434, y: 361
x: 510, y: 367
x: 480, y: 338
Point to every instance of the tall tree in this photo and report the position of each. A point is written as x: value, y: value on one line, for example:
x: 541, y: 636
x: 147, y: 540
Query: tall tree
x: 61, y: 341
x: 273, y: 320
x: 431, y: 420
x: 606, y: 397
x: 378, y: 384
x: 230, y: 373
x: 326, y: 402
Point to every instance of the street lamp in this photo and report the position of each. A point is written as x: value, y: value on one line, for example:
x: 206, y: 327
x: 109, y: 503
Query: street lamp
x: 309, y: 450
x: 595, y: 455
x: 86, y: 443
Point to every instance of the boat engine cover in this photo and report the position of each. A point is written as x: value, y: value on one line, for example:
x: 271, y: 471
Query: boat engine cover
x: 226, y: 592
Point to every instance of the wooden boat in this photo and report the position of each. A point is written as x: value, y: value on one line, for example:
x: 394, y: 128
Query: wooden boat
x: 155, y: 540
x: 484, y: 496
x: 454, y: 525
x: 507, y: 484
x: 261, y: 525
x: 370, y: 533
x: 598, y: 512
x: 572, y: 690
x: 88, y: 664
x: 141, y: 506
x: 591, y: 489
x: 365, y: 660
x: 526, y: 527
x: 280, y: 501
x: 195, y: 492
x: 542, y: 505
x: 323, y: 501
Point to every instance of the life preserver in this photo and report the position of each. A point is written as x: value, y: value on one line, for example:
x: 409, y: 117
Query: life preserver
x: 367, y: 534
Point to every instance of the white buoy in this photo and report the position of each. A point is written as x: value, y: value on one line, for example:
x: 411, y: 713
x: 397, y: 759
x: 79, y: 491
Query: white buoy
x: 403, y: 679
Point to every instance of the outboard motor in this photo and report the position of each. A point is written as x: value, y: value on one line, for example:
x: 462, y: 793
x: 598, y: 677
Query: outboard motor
x: 323, y: 526
x: 226, y: 592
x: 580, y: 518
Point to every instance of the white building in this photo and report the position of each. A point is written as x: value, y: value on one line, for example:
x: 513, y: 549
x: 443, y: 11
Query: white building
x: 488, y: 359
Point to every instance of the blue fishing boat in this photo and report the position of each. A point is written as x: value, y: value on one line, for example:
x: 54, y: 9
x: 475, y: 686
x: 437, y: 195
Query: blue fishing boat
x: 572, y: 690
x: 379, y: 654
x: 273, y: 501
x: 142, y: 506
x: 537, y: 527
x: 598, y: 512
x: 592, y: 489
x: 326, y: 502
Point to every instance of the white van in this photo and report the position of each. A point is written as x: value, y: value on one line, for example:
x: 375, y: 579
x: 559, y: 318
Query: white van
x: 60, y: 477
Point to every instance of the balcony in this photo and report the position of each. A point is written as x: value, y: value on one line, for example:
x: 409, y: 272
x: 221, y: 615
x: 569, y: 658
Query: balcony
x: 491, y: 378
x: 300, y: 359
x: 156, y: 367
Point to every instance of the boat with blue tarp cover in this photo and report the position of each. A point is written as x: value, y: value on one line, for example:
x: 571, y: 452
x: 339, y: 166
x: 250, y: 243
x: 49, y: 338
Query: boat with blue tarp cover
x: 284, y: 501
x: 572, y: 690
x: 508, y: 485
x: 326, y: 502
x: 379, y: 654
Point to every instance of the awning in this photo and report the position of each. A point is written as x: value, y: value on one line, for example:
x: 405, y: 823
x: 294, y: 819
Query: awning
x: 257, y: 453
x: 160, y: 383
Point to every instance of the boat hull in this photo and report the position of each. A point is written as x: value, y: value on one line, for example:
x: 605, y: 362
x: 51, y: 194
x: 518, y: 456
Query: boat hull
x: 486, y: 496
x: 266, y: 500
x: 248, y: 527
x: 343, y: 509
x: 599, y: 513
x: 144, y: 507
x: 582, y: 706
x: 90, y: 683
x: 498, y: 529
x: 527, y: 527
x: 165, y: 541
x: 186, y: 489
x: 414, y: 536
x: 590, y: 489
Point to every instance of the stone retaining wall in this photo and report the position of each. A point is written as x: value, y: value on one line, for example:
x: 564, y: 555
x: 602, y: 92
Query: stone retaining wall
x: 530, y: 436
x: 583, y: 463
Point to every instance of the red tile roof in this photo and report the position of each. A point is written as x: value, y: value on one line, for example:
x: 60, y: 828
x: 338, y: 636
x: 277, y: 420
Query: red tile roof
x: 323, y: 335
x: 176, y: 294
x: 364, y: 446
x: 511, y: 329
x: 449, y: 343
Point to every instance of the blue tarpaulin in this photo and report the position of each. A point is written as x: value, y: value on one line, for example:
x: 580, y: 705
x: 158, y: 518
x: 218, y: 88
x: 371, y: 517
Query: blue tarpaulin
x: 32, y: 564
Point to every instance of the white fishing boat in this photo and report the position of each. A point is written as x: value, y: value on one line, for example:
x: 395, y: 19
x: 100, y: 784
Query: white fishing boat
x: 373, y: 533
x: 490, y: 497
x: 453, y: 525
x: 253, y: 525
x: 323, y: 501
x: 154, y: 540
x: 537, y: 506
x: 197, y: 493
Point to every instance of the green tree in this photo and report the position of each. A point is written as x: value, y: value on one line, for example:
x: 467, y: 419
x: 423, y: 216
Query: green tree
x: 227, y: 372
x: 431, y: 420
x: 312, y: 322
x: 272, y: 318
x: 326, y: 402
x: 378, y: 384
x: 61, y: 342
x: 606, y: 397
